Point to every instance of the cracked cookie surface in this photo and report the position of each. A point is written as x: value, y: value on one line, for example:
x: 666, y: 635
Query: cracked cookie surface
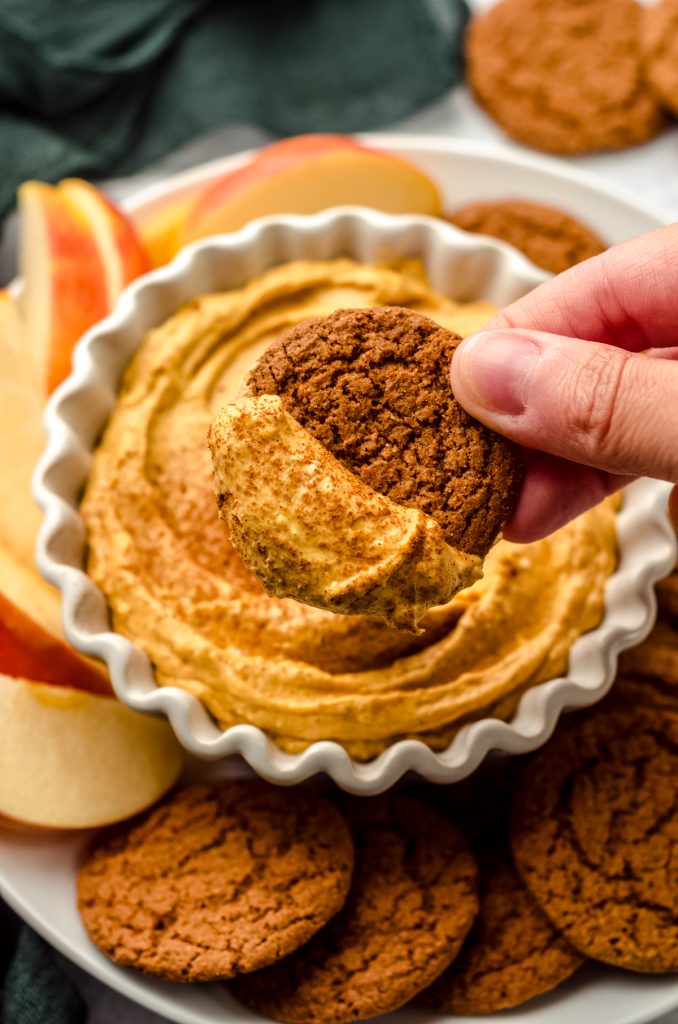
x: 564, y: 77
x: 511, y: 954
x: 412, y: 901
x: 550, y: 238
x: 216, y: 880
x: 373, y: 387
x: 594, y: 833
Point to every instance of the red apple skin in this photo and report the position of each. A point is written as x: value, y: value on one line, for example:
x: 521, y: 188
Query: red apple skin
x: 27, y: 651
x: 214, y: 209
x: 133, y: 256
x: 270, y: 160
x: 127, y: 256
x: 77, y: 251
x: 79, y: 288
x: 66, y: 289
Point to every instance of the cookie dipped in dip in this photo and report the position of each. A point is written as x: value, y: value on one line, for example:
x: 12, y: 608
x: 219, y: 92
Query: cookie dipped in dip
x: 348, y: 475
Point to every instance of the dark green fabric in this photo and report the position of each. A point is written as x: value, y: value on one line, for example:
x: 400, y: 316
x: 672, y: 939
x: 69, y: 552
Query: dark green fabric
x: 105, y: 87
x: 35, y: 990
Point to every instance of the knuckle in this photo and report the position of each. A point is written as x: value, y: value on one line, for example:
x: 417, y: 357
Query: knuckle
x: 593, y: 390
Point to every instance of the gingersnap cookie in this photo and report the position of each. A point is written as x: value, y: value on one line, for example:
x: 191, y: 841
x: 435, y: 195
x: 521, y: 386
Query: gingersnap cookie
x: 656, y: 657
x: 648, y: 691
x: 659, y: 46
x: 564, y: 77
x: 511, y: 954
x: 216, y: 880
x: 373, y: 387
x: 550, y: 238
x: 594, y: 834
x: 411, y: 903
x: 667, y: 596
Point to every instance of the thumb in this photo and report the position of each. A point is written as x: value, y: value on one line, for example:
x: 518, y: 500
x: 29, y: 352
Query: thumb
x: 581, y: 400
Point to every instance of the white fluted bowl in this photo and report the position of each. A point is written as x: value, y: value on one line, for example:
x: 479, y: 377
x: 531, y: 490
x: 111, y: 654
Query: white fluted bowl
x: 462, y: 266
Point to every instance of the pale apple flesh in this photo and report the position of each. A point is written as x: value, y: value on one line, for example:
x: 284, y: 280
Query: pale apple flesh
x: 70, y: 759
x: 308, y: 174
x: 21, y: 410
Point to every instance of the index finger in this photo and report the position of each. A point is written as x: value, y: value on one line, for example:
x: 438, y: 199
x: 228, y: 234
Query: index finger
x: 553, y: 492
x: 624, y: 297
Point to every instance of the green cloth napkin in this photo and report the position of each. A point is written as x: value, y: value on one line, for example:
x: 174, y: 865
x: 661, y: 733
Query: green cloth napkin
x: 104, y: 87
x: 35, y: 991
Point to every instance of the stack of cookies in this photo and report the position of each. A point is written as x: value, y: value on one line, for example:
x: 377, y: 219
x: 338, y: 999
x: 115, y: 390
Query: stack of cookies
x: 575, y: 76
x: 318, y: 910
x: 467, y: 899
x: 568, y: 77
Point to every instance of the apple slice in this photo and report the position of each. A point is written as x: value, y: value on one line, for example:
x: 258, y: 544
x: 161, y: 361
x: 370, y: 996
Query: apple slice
x: 28, y: 650
x: 22, y: 433
x: 161, y: 232
x: 74, y: 760
x: 77, y: 252
x: 32, y: 644
x: 307, y: 174
x: 66, y: 290
x: 122, y: 252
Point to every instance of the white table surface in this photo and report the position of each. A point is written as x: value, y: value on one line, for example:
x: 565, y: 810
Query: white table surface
x: 649, y: 171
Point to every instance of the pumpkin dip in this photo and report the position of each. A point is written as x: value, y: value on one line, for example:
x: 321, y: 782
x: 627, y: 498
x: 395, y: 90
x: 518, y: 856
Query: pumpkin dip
x: 175, y: 586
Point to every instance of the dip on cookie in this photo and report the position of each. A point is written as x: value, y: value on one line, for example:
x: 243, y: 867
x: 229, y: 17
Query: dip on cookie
x: 348, y: 475
x: 176, y: 587
x: 311, y: 530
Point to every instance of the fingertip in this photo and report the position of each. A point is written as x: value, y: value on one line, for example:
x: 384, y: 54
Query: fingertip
x: 461, y: 366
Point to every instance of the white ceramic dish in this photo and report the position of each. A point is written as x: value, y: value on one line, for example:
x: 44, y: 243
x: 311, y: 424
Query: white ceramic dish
x: 463, y: 266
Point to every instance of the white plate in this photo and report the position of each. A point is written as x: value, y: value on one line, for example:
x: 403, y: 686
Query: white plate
x: 37, y: 874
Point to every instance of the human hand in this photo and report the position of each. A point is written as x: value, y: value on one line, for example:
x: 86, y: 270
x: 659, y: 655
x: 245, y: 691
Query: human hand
x: 592, y: 414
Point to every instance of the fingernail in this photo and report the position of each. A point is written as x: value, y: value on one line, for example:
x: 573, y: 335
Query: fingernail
x: 492, y: 369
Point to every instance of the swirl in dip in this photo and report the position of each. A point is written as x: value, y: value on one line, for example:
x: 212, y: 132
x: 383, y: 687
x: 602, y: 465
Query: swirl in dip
x: 175, y: 586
